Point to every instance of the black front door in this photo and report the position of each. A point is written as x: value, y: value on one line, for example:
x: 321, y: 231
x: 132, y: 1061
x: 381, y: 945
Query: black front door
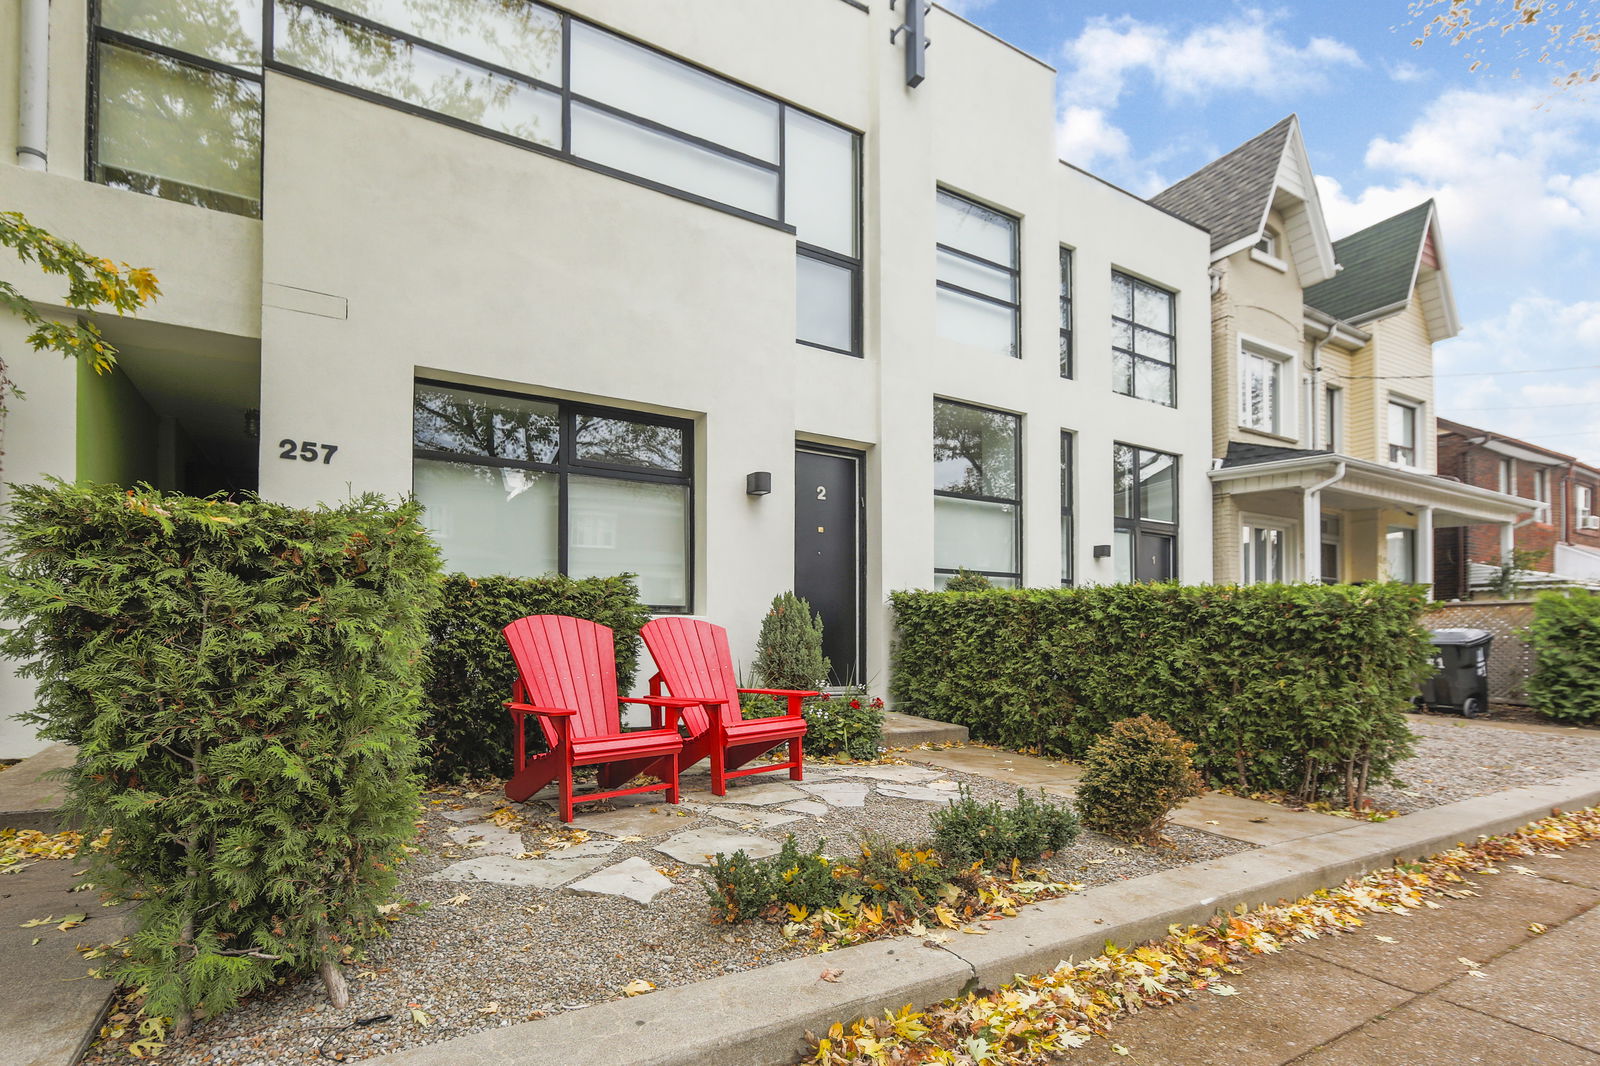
x: 1154, y: 559
x: 827, y: 559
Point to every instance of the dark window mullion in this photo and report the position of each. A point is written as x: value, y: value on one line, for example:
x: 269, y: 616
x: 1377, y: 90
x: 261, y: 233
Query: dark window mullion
x: 566, y: 84
x: 952, y: 495
x: 980, y: 260
x: 985, y: 297
x: 139, y: 44
x: 677, y: 134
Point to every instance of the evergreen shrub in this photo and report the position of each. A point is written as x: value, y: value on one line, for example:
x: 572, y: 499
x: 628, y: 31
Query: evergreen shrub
x: 968, y: 830
x: 789, y: 646
x: 467, y: 733
x: 1133, y: 777
x: 243, y: 684
x: 881, y: 873
x: 1290, y: 687
x: 1565, y: 634
x: 965, y: 580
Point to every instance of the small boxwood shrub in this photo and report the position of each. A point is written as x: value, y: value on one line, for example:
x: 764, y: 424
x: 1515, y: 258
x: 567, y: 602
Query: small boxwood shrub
x: 968, y: 830
x: 243, y: 683
x: 467, y: 732
x: 1133, y: 777
x: 964, y: 580
x: 1299, y: 688
x: 1565, y: 634
x: 882, y: 873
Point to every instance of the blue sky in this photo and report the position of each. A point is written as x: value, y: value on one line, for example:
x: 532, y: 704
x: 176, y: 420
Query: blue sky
x: 1149, y: 92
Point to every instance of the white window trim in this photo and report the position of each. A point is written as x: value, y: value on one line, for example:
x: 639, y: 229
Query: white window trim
x: 1333, y: 412
x: 1419, y: 450
x: 1583, y: 500
x: 1289, y: 527
x: 1288, y: 389
x: 1508, y: 475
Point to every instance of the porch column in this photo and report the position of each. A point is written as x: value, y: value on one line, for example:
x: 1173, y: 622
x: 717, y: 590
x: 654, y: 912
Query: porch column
x: 1508, y: 540
x: 1311, y: 536
x: 1425, y: 547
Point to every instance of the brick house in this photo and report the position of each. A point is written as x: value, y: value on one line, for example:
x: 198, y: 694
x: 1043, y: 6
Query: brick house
x: 1561, y: 520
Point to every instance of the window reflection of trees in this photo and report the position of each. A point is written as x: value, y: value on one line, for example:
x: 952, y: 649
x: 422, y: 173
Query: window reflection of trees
x: 469, y: 424
x: 974, y: 451
x: 224, y: 31
x: 615, y: 440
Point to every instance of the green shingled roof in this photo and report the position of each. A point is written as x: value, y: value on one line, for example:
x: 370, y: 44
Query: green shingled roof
x: 1379, y: 264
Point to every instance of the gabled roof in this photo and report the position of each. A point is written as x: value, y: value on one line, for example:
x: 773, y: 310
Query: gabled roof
x: 1382, y: 265
x: 1231, y: 197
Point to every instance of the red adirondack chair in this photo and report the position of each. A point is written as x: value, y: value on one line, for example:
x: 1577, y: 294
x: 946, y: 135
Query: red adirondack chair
x: 567, y: 677
x: 693, y: 660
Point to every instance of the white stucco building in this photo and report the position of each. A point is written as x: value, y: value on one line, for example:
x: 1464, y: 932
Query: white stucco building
x: 579, y: 275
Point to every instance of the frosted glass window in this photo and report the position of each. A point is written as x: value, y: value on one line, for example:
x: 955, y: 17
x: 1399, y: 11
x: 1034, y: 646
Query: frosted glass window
x: 414, y: 74
x: 490, y: 520
x: 479, y: 423
x: 978, y: 277
x: 819, y: 187
x: 1145, y: 513
x: 977, y: 502
x: 824, y: 303
x: 976, y: 323
x: 1122, y: 556
x: 178, y: 131
x: 975, y: 229
x: 1158, y: 487
x: 615, y: 142
x: 630, y: 78
x: 513, y: 34
x: 639, y: 527
x: 226, y: 31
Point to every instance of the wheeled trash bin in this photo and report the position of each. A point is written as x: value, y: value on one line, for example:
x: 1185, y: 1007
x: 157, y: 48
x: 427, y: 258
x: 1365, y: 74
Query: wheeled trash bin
x: 1461, y: 683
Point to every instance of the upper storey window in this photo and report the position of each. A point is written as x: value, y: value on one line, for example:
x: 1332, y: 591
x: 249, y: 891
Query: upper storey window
x: 978, y: 275
x: 177, y: 102
x: 178, y: 113
x: 1143, y: 343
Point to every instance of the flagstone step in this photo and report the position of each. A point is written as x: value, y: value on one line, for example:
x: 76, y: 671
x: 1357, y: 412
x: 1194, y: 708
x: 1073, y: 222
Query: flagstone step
x: 907, y: 731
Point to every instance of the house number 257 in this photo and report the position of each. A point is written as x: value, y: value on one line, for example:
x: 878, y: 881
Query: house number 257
x: 306, y: 451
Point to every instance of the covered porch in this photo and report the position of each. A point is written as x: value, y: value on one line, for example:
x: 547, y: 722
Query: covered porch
x: 1324, y: 517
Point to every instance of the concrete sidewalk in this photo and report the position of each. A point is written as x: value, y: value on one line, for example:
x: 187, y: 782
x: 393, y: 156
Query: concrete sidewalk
x: 1357, y: 1000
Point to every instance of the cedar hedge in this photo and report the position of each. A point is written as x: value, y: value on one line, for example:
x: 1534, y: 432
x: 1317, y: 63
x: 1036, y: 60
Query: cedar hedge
x: 1289, y: 687
x: 243, y: 683
x: 467, y: 733
x: 1565, y: 633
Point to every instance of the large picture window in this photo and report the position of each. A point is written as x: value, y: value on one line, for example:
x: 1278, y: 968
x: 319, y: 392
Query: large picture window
x: 976, y: 253
x: 176, y: 110
x: 1145, y: 509
x: 977, y: 493
x: 1143, y: 340
x: 525, y: 486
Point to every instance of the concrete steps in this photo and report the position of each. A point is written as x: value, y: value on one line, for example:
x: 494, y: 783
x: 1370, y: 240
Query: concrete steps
x: 907, y: 731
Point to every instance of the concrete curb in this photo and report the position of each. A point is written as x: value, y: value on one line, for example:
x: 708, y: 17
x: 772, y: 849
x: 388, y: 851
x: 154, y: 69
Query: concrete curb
x: 31, y: 792
x: 758, y: 1018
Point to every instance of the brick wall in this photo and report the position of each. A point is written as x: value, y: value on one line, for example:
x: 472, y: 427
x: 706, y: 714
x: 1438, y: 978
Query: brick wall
x: 1510, y: 657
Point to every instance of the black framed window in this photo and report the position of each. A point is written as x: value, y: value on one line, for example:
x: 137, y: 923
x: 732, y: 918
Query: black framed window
x: 1143, y: 342
x: 1145, y: 514
x: 978, y: 275
x: 175, y: 101
x: 1067, y: 484
x: 977, y: 493
x: 822, y: 166
x: 523, y: 485
x: 1066, y: 312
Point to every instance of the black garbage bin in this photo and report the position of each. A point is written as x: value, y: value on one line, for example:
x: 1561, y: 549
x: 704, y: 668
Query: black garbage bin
x: 1461, y: 657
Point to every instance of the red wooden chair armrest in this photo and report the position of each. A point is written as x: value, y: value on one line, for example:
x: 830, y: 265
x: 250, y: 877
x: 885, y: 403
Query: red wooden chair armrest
x: 528, y: 708
x: 673, y: 707
x: 794, y: 696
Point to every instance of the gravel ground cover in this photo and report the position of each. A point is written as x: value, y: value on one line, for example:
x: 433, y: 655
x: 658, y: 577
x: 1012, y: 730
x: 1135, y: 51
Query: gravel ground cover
x: 471, y: 956
x: 1458, y: 760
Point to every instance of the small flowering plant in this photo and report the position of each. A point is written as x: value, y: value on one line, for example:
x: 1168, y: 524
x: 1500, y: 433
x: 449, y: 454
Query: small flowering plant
x: 848, y: 723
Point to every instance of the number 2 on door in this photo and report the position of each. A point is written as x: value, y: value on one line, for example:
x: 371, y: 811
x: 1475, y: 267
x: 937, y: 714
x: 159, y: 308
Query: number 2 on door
x: 822, y: 492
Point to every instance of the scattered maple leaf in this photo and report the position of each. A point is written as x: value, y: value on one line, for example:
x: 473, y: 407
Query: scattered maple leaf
x: 420, y: 1018
x: 831, y: 976
x: 1119, y: 1049
x: 1222, y: 990
x: 493, y: 1008
x: 637, y: 987
x: 456, y: 901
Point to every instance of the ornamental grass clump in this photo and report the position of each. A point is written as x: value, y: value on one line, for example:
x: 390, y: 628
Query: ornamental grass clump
x: 243, y: 684
x: 1133, y: 777
x: 968, y: 831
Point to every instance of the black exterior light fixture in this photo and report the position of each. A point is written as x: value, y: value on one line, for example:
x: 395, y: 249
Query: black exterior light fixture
x: 915, y: 29
x: 1102, y: 551
x: 758, y: 483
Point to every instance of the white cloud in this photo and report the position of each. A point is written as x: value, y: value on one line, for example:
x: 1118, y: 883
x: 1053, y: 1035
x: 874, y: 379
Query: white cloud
x: 1245, y: 53
x: 1407, y: 72
x: 1556, y: 410
x: 1511, y: 171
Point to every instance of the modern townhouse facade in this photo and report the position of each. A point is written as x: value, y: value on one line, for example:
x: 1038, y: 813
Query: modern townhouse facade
x: 738, y: 296
x: 1560, y: 528
x: 1322, y: 387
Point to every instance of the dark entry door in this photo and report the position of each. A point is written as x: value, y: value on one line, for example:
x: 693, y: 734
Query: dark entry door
x: 827, y: 553
x: 1155, y: 559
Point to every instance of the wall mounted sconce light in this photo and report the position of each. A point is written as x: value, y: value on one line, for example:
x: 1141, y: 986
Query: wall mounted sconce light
x: 758, y: 483
x: 1102, y: 551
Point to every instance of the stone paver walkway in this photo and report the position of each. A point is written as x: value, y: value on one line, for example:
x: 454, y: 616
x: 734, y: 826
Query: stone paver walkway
x: 1472, y: 982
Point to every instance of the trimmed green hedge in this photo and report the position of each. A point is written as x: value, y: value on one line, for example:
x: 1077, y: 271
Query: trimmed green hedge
x: 243, y: 682
x: 1293, y: 687
x: 1566, y: 641
x: 467, y: 732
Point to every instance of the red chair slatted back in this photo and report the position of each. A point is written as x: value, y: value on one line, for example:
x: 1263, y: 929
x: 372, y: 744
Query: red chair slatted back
x: 570, y: 664
x: 695, y: 662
